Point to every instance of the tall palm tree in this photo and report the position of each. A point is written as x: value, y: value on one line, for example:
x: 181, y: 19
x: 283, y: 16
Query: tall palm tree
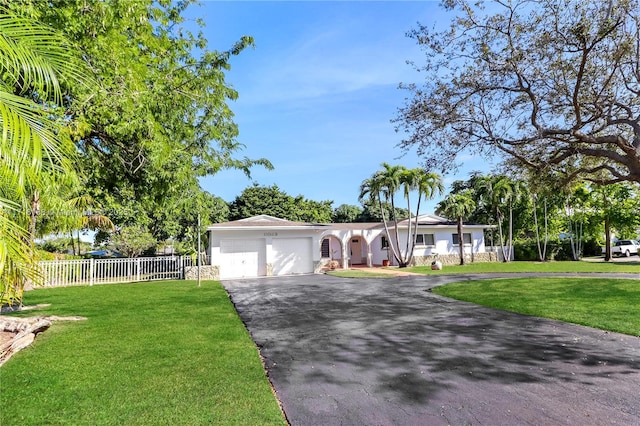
x: 35, y: 62
x: 501, y: 191
x: 409, y: 183
x: 427, y: 184
x: 391, y: 182
x: 458, y: 205
x: 374, y: 188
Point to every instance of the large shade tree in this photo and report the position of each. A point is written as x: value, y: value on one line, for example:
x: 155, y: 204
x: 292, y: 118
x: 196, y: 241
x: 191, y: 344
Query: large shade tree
x: 271, y: 200
x: 159, y: 115
x: 551, y: 84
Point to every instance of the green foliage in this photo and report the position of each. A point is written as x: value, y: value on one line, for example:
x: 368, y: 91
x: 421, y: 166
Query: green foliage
x: 132, y: 241
x: 271, y: 200
x: 346, y: 213
x: 158, y: 117
x: 60, y: 245
x: 162, y: 353
x: 383, y: 186
x: 559, y: 250
x: 459, y: 206
x: 373, y: 211
x: 36, y: 63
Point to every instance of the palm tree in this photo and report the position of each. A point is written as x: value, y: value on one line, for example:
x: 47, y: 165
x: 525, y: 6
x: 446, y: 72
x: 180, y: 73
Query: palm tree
x: 427, y: 184
x: 501, y: 191
x: 459, y: 206
x: 382, y: 186
x: 409, y: 182
x: 373, y: 188
x: 34, y: 62
x: 391, y: 182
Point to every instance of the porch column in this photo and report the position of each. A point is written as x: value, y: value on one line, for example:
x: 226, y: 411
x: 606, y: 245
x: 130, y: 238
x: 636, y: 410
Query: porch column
x: 345, y: 255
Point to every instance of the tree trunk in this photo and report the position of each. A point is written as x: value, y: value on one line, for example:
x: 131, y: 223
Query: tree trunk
x: 607, y: 238
x: 510, y: 246
x: 535, y: 221
x: 402, y: 263
x: 415, y: 231
x: 460, y: 240
x: 386, y: 228
x: 498, y: 216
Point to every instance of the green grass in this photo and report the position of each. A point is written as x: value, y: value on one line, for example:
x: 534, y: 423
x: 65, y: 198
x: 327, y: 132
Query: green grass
x: 148, y: 354
x: 607, y: 304
x: 519, y: 266
x: 359, y: 273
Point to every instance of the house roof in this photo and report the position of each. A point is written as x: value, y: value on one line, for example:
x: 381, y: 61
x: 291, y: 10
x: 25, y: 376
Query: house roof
x: 271, y: 222
x: 266, y: 221
x: 359, y: 226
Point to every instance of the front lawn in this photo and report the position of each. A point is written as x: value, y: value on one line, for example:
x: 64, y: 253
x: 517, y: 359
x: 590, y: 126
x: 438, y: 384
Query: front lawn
x: 607, y: 304
x: 521, y: 266
x: 148, y: 354
x: 359, y: 273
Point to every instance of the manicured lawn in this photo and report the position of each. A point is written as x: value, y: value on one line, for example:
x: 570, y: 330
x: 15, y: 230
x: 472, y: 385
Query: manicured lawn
x: 359, y: 273
x: 518, y: 266
x: 165, y: 353
x: 607, y: 304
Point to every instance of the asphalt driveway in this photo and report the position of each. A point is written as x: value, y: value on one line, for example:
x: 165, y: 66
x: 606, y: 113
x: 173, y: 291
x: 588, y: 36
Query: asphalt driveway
x: 388, y: 352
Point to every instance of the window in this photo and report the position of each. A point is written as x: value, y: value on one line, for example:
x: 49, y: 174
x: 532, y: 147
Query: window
x: 466, y: 236
x: 324, y: 249
x: 385, y: 242
x: 425, y: 240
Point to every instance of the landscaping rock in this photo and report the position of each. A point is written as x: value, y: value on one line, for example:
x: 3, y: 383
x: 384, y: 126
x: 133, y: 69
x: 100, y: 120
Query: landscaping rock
x: 18, y: 333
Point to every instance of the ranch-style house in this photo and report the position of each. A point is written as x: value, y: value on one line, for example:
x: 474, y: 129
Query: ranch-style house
x: 269, y: 246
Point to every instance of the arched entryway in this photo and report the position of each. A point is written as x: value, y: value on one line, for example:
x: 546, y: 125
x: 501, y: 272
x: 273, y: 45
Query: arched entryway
x: 331, y: 249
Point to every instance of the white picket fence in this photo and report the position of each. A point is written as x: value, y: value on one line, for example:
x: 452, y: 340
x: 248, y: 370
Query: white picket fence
x: 62, y: 273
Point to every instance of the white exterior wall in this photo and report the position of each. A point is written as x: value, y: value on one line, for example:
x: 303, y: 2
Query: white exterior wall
x: 266, y: 237
x: 443, y: 238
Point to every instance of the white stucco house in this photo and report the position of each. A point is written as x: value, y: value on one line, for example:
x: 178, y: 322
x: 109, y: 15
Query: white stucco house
x: 268, y: 246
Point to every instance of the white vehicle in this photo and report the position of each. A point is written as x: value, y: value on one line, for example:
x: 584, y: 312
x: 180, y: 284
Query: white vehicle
x: 624, y: 248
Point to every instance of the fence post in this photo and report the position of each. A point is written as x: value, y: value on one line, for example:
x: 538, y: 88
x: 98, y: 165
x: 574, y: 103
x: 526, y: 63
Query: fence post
x: 92, y: 271
x: 138, y: 269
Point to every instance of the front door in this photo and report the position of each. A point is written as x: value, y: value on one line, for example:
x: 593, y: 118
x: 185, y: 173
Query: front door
x: 355, y: 245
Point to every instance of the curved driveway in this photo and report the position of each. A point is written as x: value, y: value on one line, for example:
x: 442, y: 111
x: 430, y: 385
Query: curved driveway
x: 389, y: 352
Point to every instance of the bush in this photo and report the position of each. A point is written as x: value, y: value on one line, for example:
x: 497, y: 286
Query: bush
x: 556, y: 250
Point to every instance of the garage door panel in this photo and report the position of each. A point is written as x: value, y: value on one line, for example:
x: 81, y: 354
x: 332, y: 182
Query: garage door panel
x: 292, y: 256
x: 242, y: 258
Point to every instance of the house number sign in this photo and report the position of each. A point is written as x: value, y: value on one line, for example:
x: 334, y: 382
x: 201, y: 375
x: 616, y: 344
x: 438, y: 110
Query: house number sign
x: 270, y: 234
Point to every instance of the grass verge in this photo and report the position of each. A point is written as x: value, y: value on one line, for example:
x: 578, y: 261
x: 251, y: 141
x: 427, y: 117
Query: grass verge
x: 151, y: 353
x: 542, y: 267
x: 359, y: 273
x: 607, y: 304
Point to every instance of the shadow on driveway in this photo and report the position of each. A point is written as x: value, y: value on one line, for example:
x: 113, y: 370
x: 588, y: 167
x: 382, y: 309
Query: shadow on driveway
x: 389, y: 352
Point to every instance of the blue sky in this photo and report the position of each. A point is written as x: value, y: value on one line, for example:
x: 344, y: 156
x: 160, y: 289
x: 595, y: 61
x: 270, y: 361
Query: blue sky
x: 317, y: 93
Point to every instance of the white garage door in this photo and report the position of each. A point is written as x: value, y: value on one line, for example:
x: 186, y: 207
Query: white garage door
x: 292, y: 256
x: 242, y: 258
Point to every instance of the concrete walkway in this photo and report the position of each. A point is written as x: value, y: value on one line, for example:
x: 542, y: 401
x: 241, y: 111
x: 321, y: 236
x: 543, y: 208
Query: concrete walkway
x: 389, y: 352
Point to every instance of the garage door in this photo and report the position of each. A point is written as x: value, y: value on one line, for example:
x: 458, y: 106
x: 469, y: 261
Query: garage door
x: 292, y: 256
x: 242, y: 258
